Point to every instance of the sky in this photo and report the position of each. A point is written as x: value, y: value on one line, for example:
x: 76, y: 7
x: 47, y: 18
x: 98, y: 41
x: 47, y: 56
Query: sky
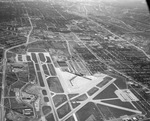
x: 110, y: 0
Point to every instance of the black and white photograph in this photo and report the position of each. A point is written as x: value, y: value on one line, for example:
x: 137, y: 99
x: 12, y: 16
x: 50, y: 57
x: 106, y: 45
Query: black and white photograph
x: 74, y: 60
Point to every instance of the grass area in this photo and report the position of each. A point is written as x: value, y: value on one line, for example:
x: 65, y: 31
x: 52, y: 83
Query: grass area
x: 55, y: 85
x: 46, y: 109
x: 12, y: 93
x: 64, y: 110
x: 40, y: 78
x: 81, y: 98
x: 1, y: 79
x: 6, y: 103
x: 92, y: 91
x: 104, y: 82
x: 118, y: 102
x: 44, y: 92
x: 118, y: 112
x: 107, y: 93
x: 23, y: 76
x: 50, y: 117
x: 52, y: 70
x: 46, y: 99
x: 0, y: 93
x: 89, y: 110
x: 35, y: 50
x: 72, y: 95
x: 59, y: 99
x: 15, y: 104
x: 48, y: 59
x: 70, y: 119
x: 11, y: 78
x: 18, y: 84
x: 45, y: 69
x: 42, y: 57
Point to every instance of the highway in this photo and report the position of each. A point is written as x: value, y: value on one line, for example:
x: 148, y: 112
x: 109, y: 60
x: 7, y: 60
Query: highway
x: 28, y: 36
x: 29, y: 18
x: 4, y: 75
x: 5, y: 67
x: 68, y: 46
x: 3, y: 84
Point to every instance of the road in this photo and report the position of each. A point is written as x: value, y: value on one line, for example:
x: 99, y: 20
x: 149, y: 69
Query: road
x: 29, y: 18
x: 4, y: 75
x: 105, y: 64
x: 28, y: 36
x: 68, y: 46
x: 5, y: 66
x: 3, y: 84
x: 148, y: 56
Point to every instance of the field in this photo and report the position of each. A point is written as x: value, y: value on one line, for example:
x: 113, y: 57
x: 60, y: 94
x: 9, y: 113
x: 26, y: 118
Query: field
x: 120, y: 82
x: 54, y: 85
x: 23, y: 76
x: 0, y: 79
x: 104, y: 82
x: 92, y: 91
x: 80, y: 98
x: 34, y: 58
x: 12, y: 93
x: 52, y: 70
x: 15, y: 104
x: 36, y: 50
x: 7, y: 103
x: 18, y: 84
x: 28, y: 58
x: 64, y: 110
x: 46, y: 110
x: 118, y: 112
x: 50, y: 117
x: 32, y: 73
x: 0, y: 93
x: 46, y: 99
x: 1, y: 54
x: 104, y: 110
x: 45, y: 69
x: 62, y: 63
x: 37, y: 67
x: 42, y: 57
x: 118, y: 102
x: 44, y: 92
x: 11, y: 78
x: 88, y: 110
x: 70, y: 119
x: 48, y: 59
x: 59, y: 99
x: 40, y: 78
x: 107, y: 93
